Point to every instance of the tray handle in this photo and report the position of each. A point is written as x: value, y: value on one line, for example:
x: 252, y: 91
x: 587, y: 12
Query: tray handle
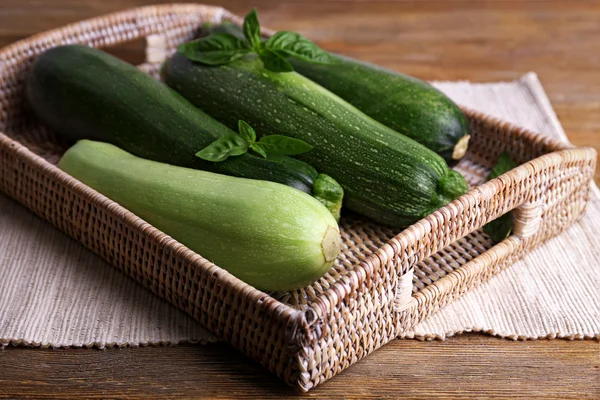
x: 527, y: 220
x: 531, y: 189
x: 534, y: 191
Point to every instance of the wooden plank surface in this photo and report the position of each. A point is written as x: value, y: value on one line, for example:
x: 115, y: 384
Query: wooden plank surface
x: 472, y: 40
x: 471, y: 365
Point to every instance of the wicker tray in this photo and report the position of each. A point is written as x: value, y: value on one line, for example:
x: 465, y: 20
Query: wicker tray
x: 383, y: 284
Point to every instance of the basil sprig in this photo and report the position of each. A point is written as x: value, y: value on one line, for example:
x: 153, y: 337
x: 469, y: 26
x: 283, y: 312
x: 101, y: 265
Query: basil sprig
x: 240, y: 143
x: 216, y: 49
x: 223, y: 48
x: 500, y: 228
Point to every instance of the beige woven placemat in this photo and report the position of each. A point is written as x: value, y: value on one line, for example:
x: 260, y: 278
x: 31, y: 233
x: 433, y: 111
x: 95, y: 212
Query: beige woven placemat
x: 54, y: 292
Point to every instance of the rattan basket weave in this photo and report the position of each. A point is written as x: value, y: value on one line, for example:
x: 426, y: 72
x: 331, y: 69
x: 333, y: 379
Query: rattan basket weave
x: 383, y: 284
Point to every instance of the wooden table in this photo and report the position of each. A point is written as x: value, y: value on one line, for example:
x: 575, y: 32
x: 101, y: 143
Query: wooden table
x: 472, y: 40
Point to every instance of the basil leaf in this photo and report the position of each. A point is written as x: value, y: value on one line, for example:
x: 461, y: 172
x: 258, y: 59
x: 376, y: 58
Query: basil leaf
x: 274, y: 62
x: 246, y: 132
x: 279, y: 145
x: 225, y: 27
x: 223, y: 147
x: 215, y: 49
x: 500, y: 228
x: 295, y: 45
x: 252, y: 29
x: 258, y: 148
x: 504, y: 164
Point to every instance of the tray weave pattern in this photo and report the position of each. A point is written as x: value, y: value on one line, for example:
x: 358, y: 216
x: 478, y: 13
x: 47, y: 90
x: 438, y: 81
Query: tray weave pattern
x: 383, y: 283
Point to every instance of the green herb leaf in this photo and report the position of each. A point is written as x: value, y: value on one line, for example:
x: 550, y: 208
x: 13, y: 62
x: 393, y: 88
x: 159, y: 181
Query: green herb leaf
x: 224, y: 147
x: 258, y: 148
x: 246, y: 132
x: 503, y: 165
x: 274, y: 62
x: 295, y: 45
x: 215, y: 49
x: 500, y: 228
x: 252, y: 29
x: 225, y: 27
x: 279, y: 145
x: 227, y: 44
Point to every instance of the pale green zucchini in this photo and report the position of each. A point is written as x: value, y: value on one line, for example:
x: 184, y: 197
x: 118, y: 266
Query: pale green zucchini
x: 270, y: 235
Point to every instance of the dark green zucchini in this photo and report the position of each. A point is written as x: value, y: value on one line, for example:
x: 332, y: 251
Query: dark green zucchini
x: 406, y: 104
x: 386, y: 176
x: 84, y: 93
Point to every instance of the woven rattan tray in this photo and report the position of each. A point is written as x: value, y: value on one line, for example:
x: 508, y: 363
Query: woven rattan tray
x: 381, y: 286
